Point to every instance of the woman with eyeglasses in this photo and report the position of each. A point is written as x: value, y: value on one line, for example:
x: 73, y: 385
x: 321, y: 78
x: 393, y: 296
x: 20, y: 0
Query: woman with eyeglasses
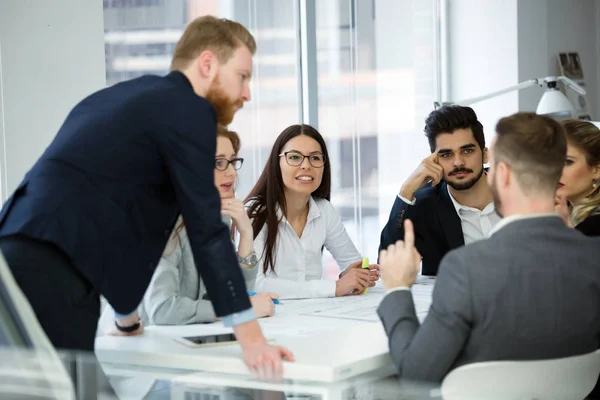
x: 176, y: 295
x: 293, y: 221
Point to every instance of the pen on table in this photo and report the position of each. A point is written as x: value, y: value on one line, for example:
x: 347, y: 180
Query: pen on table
x: 251, y: 293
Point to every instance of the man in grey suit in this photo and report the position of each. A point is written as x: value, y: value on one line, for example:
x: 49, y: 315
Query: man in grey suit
x: 530, y: 291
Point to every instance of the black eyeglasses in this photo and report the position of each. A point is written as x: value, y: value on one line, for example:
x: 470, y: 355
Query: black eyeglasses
x: 295, y: 158
x: 222, y: 163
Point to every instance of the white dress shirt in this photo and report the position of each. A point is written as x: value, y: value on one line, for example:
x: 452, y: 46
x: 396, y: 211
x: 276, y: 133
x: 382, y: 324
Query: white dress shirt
x: 298, y: 260
x: 476, y: 224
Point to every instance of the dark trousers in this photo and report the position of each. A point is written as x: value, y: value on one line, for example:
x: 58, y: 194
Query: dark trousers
x: 64, y: 302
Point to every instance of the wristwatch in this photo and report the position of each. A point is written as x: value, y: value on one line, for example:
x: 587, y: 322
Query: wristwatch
x: 129, y: 329
x: 250, y: 260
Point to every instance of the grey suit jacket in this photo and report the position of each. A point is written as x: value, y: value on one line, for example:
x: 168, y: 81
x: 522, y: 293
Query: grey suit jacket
x: 175, y: 294
x: 530, y: 291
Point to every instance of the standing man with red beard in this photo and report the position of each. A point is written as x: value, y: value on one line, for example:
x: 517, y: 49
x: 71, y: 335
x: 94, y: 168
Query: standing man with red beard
x: 94, y: 213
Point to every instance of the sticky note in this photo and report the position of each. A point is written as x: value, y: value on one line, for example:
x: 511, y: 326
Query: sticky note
x: 365, y: 265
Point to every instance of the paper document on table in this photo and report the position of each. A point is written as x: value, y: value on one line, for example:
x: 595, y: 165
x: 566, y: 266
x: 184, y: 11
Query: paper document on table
x: 423, y: 280
x: 422, y: 291
x: 362, y: 307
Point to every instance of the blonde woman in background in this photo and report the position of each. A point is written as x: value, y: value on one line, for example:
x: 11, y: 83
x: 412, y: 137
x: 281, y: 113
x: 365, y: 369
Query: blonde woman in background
x: 578, y: 193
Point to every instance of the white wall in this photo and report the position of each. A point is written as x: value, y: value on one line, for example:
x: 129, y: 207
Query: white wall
x: 51, y: 56
x: 405, y: 81
x: 548, y: 27
x: 533, y: 50
x: 483, y: 49
x: 597, y: 24
x: 496, y: 44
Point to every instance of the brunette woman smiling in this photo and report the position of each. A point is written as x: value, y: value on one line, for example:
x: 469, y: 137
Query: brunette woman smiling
x: 293, y: 221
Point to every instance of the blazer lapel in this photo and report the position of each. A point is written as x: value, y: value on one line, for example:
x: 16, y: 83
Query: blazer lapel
x: 449, y: 219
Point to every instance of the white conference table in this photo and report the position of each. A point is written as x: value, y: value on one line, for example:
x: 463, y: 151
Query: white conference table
x: 332, y: 339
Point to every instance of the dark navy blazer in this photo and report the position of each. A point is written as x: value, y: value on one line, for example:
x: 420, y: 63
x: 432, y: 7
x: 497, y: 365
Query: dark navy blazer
x: 437, y: 225
x: 107, y: 191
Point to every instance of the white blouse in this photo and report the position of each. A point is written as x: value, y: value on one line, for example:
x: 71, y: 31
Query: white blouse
x: 298, y: 260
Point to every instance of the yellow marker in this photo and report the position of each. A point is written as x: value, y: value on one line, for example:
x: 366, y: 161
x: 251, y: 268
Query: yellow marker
x: 365, y: 265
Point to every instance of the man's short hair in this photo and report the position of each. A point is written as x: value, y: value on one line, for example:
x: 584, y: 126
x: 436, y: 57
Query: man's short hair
x: 447, y: 119
x: 220, y: 35
x: 535, y: 147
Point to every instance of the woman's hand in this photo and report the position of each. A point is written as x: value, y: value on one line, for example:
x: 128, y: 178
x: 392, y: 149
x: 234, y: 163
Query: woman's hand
x: 235, y: 209
x: 373, y: 271
x: 562, y: 209
x: 262, y: 304
x: 353, y: 281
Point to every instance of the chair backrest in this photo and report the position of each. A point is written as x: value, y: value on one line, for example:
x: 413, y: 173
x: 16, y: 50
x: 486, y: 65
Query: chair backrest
x: 569, y: 378
x: 25, y: 344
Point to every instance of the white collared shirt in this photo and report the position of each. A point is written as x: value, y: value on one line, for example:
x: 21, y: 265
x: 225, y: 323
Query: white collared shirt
x: 298, y: 260
x: 517, y: 217
x: 476, y: 224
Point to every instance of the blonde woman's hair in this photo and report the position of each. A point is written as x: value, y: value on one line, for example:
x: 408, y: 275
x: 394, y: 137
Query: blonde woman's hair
x: 585, y: 136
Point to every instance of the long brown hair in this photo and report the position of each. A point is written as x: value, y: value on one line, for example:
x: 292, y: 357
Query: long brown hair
x: 268, y: 193
x: 236, y: 143
x: 585, y: 136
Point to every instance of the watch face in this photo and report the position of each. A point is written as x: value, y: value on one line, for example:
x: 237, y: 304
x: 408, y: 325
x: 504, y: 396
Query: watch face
x: 250, y: 260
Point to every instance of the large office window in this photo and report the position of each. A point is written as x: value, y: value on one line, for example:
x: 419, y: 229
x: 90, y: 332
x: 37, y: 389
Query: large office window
x: 371, y: 84
x: 377, y: 80
x: 141, y: 36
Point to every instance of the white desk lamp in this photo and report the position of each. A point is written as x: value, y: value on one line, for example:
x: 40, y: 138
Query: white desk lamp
x: 553, y: 101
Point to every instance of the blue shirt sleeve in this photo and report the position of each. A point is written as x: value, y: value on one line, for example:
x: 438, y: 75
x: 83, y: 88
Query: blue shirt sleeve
x: 119, y: 316
x: 239, y: 318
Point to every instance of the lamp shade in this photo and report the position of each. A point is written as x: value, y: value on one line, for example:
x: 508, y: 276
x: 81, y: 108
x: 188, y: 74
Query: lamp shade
x: 556, y: 104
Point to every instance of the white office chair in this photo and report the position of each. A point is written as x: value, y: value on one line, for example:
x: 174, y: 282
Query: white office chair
x: 569, y: 378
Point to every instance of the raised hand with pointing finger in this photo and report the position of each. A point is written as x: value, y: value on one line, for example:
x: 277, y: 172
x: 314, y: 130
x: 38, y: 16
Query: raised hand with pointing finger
x: 399, y: 263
